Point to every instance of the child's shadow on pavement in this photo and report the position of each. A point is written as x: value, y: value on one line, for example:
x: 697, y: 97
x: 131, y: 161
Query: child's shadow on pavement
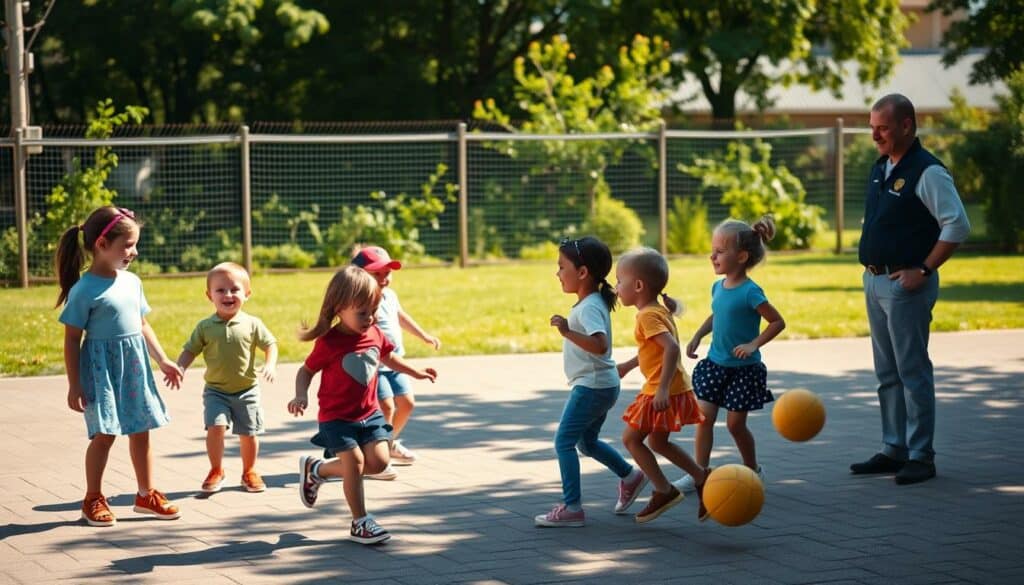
x: 233, y: 551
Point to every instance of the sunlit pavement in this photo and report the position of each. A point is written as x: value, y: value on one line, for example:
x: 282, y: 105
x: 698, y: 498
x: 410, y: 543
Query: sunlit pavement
x: 483, y: 434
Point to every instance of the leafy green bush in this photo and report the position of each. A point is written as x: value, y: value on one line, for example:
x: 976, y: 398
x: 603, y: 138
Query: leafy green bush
x: 614, y: 223
x: 688, y: 231
x: 752, y: 188
x: 394, y: 224
x: 999, y: 157
x: 541, y: 251
x: 282, y: 256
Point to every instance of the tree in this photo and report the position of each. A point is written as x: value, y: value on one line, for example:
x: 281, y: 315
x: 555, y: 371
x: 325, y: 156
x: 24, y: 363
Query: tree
x: 184, y: 60
x: 995, y: 24
x: 626, y: 98
x: 753, y: 45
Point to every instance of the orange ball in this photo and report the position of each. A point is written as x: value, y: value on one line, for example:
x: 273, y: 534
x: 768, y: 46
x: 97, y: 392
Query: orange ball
x: 733, y: 494
x: 798, y: 415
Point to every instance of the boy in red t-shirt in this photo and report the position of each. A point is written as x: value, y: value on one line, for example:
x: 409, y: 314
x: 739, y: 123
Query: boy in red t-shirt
x: 351, y: 425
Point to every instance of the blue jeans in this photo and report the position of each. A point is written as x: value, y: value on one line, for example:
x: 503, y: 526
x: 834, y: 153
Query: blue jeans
x: 581, y: 422
x: 899, y: 321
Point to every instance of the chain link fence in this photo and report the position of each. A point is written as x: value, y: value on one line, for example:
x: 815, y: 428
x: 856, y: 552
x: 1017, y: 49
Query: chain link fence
x: 291, y: 199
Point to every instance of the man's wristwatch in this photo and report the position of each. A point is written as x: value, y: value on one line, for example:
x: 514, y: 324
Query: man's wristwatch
x: 925, y: 271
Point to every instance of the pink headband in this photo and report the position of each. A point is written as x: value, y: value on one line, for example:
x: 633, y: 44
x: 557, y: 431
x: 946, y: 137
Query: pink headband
x: 121, y: 212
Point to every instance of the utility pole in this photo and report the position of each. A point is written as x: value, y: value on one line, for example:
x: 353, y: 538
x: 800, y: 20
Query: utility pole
x: 18, y: 68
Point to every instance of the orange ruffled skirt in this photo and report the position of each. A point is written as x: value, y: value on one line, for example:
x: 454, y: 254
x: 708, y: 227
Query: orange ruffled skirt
x: 682, y: 410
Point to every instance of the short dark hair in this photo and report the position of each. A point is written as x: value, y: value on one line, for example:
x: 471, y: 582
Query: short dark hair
x: 902, y: 108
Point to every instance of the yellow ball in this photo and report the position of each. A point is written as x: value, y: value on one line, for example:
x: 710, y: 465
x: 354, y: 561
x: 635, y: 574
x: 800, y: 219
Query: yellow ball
x: 798, y: 415
x: 733, y: 494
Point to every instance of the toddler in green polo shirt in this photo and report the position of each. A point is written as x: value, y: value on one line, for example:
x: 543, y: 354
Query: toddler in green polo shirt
x: 228, y: 339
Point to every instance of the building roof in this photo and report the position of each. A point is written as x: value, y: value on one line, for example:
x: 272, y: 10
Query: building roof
x: 920, y: 76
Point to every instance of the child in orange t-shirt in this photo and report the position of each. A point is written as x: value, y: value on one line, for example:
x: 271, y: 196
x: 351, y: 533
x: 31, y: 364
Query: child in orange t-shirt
x: 666, y: 401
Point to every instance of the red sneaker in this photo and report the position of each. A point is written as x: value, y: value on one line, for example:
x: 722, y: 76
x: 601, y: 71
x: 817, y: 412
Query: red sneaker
x: 214, y: 480
x: 252, y: 482
x: 156, y: 503
x: 96, y: 512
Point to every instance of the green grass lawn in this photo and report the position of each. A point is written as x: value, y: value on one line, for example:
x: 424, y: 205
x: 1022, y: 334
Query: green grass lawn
x: 505, y: 308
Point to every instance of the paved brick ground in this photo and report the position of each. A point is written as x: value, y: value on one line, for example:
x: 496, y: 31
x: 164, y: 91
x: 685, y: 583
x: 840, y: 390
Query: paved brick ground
x: 464, y: 512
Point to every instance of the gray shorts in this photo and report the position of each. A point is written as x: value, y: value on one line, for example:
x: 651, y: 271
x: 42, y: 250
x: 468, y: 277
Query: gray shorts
x: 241, y: 411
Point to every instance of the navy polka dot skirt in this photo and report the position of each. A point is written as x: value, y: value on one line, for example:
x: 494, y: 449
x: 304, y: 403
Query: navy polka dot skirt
x: 739, y: 389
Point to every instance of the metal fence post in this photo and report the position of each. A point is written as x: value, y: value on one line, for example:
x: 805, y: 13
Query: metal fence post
x: 840, y: 187
x: 463, y: 198
x: 246, y: 201
x: 663, y: 188
x: 20, y: 158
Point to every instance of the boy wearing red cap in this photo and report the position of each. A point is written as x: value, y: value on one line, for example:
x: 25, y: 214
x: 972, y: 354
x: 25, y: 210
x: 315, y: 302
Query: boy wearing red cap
x: 394, y: 389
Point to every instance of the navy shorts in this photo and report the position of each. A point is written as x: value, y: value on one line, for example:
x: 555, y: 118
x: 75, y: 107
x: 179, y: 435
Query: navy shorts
x: 391, y: 383
x: 739, y: 388
x: 337, y: 436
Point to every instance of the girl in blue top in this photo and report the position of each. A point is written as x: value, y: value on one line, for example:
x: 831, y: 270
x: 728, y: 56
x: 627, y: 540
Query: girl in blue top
x: 583, y: 267
x: 732, y: 375
x: 109, y: 375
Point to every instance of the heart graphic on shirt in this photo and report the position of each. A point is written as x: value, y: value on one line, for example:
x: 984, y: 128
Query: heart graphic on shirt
x: 361, y: 366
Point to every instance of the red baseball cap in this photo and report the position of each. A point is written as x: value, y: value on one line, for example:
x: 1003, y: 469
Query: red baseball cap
x: 375, y: 258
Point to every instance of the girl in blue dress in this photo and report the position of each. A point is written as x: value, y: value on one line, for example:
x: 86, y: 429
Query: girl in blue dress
x: 109, y: 375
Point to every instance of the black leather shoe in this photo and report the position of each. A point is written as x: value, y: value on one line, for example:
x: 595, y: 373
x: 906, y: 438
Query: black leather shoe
x: 879, y: 463
x: 915, y: 472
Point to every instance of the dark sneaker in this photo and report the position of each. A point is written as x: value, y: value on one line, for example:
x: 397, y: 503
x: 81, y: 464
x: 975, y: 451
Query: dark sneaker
x: 629, y: 490
x: 879, y: 463
x: 561, y: 516
x: 368, y: 531
x: 658, y: 504
x: 309, y: 487
x: 915, y: 471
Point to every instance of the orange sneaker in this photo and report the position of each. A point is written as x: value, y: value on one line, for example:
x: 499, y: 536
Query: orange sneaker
x: 213, y: 481
x: 156, y: 503
x: 96, y: 512
x: 252, y: 482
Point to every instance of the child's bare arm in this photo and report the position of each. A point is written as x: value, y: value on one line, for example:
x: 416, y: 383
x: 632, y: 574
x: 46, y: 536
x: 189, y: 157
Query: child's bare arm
x: 704, y: 329
x: 627, y: 366
x: 172, y: 372
x: 596, y: 343
x: 669, y: 360
x: 406, y: 321
x: 303, y: 378
x: 72, y: 353
x: 399, y: 365
x: 775, y: 326
x: 185, y: 359
x: 270, y: 363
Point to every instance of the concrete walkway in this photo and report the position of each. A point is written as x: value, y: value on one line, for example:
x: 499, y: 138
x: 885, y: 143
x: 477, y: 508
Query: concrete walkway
x: 464, y: 512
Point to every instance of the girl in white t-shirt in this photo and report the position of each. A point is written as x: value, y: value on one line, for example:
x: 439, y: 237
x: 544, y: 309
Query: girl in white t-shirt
x: 583, y: 266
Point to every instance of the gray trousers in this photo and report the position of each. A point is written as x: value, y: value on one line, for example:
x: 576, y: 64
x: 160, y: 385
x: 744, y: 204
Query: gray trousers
x: 899, y: 321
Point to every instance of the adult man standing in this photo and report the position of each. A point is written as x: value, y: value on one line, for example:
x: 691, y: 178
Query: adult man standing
x: 913, y: 221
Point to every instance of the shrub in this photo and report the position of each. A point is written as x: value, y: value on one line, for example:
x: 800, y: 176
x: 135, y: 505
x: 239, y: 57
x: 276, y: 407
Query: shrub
x: 614, y: 223
x: 394, y: 224
x: 541, y: 251
x: 752, y: 188
x: 283, y: 256
x: 688, y: 231
x: 999, y: 157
